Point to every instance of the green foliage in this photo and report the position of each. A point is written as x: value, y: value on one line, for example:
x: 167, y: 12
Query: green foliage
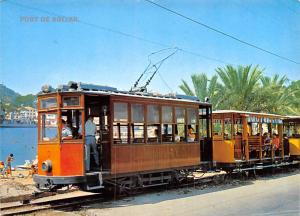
x: 11, y: 100
x: 246, y: 88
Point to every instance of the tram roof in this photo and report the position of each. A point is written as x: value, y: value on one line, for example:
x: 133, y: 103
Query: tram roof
x: 107, y: 90
x: 245, y: 112
x: 293, y: 117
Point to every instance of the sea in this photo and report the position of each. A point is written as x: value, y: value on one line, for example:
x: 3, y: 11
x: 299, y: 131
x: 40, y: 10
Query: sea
x: 22, y: 142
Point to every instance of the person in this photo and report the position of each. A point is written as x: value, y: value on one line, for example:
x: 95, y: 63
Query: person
x: 7, y: 168
x: 90, y: 142
x: 191, y: 134
x: 66, y: 131
x: 267, y: 143
x: 276, y: 143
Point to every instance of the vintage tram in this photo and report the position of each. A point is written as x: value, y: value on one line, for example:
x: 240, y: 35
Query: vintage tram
x: 143, y: 139
x: 246, y: 140
x: 291, y: 136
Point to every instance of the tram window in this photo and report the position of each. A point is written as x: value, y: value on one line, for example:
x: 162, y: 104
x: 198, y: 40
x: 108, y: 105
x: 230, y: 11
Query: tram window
x: 255, y: 129
x: 70, y: 101
x: 48, y: 103
x: 120, y: 127
x: 121, y: 112
x: 167, y: 124
x: 294, y: 129
x: 137, y: 113
x: 153, y: 132
x: 180, y: 129
x: 167, y: 132
x: 202, y: 128
x: 274, y: 128
x: 238, y: 127
x: 137, y: 127
x: 218, y: 128
x: 71, y: 124
x: 48, y: 127
x: 227, y: 128
x: 120, y: 133
x: 137, y: 133
x: 192, y: 125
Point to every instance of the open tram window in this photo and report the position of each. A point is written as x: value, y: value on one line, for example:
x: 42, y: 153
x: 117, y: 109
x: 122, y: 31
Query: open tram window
x: 71, y: 121
x: 254, y: 129
x: 203, y: 123
x: 167, y: 124
x: 137, y: 123
x: 238, y: 127
x: 180, y: 129
x: 192, y: 125
x: 153, y: 130
x: 120, y: 126
x: 227, y: 128
x: 48, y: 128
x: 218, y: 127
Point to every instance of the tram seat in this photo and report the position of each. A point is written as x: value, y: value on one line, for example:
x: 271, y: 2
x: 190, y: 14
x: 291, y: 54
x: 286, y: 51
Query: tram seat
x: 253, y: 142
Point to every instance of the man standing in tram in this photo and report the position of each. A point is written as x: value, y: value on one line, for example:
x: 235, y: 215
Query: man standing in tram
x: 90, y: 142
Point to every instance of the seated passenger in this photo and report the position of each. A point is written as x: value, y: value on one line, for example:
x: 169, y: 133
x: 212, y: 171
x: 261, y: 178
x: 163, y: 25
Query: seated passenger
x: 66, y: 131
x: 191, y: 134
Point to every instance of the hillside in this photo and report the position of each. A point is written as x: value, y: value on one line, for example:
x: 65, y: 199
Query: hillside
x: 12, y: 100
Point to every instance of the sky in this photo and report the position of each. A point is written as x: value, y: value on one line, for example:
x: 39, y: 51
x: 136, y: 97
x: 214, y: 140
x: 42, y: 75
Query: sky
x: 110, y: 42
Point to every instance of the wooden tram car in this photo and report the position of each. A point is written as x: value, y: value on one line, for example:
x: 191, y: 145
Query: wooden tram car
x: 291, y: 136
x: 239, y: 139
x: 143, y: 139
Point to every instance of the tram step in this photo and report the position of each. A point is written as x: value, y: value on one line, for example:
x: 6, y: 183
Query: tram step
x: 94, y: 181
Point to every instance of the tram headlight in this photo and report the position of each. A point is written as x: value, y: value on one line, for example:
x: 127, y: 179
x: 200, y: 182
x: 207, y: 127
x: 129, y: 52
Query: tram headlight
x: 47, y: 166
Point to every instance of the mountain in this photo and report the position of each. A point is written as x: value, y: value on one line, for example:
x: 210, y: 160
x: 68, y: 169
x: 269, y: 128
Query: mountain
x: 11, y: 100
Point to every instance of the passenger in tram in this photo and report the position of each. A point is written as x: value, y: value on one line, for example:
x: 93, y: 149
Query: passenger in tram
x: 276, y: 143
x: 267, y: 143
x: 90, y: 142
x: 66, y: 131
x: 191, y: 134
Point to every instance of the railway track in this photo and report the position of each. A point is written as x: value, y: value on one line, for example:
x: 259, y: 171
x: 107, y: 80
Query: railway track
x: 76, y: 199
x: 65, y: 201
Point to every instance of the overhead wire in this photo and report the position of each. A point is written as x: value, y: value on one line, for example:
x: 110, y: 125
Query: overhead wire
x: 220, y: 32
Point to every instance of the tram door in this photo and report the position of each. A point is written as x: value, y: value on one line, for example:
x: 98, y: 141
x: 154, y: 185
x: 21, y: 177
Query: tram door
x: 205, y: 122
x: 98, y: 107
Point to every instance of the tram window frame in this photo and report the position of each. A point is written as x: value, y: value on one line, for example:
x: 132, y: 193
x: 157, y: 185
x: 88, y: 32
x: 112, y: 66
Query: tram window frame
x: 43, y: 103
x: 73, y: 119
x: 217, y: 131
x: 121, y: 120
x: 192, y: 116
x: 203, y: 123
x: 153, y: 123
x: 227, y: 128
x: 42, y: 138
x: 180, y: 126
x: 255, y: 127
x: 65, y: 102
x: 137, y: 123
x: 167, y: 125
x: 238, y: 127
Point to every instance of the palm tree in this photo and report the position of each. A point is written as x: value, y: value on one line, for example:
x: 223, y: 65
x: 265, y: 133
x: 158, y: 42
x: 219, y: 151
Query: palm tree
x: 203, y: 87
x: 238, y: 86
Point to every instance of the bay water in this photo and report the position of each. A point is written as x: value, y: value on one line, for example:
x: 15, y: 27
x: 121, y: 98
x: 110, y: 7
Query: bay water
x: 22, y: 142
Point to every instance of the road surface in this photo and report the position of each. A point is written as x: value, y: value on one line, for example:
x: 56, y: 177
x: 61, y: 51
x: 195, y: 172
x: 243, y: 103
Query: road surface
x: 268, y: 196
